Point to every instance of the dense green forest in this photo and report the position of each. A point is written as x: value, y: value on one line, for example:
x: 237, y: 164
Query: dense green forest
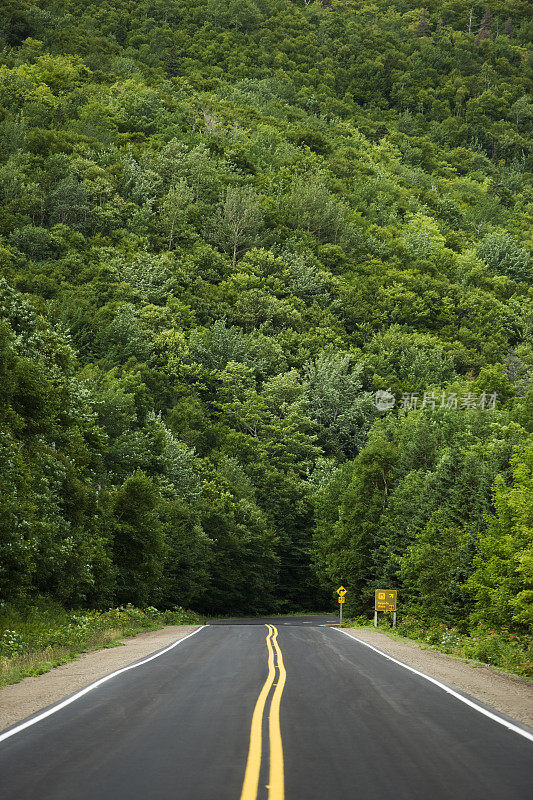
x: 266, y: 306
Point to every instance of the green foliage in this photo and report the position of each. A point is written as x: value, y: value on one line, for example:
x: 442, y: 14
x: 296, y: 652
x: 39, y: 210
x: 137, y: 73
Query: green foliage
x: 503, y: 254
x: 138, y: 540
x: 503, y: 576
x: 430, y: 565
x: 238, y: 220
x: 499, y: 648
x: 224, y: 227
x: 35, y: 638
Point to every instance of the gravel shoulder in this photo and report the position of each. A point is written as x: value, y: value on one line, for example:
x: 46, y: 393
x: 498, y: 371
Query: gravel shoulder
x: 20, y: 700
x: 509, y: 694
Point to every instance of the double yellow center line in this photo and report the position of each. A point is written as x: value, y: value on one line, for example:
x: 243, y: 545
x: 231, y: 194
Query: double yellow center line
x: 276, y: 782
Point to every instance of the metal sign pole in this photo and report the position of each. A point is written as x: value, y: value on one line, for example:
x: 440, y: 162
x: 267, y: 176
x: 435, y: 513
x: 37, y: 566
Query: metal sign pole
x: 341, y: 591
x: 385, y: 600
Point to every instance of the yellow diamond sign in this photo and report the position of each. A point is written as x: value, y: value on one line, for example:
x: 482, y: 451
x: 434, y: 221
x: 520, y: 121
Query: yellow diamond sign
x: 341, y: 591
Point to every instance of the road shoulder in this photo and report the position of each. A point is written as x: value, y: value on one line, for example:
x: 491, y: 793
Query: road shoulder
x: 20, y: 700
x: 509, y: 694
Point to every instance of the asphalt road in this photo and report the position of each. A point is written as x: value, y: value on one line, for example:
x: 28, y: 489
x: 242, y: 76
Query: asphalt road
x: 286, y: 703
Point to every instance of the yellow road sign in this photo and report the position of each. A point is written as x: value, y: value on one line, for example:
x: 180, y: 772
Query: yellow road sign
x: 341, y: 591
x: 385, y: 599
x: 342, y: 599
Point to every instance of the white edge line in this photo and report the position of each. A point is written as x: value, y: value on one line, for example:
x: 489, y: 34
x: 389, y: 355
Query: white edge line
x: 90, y: 687
x: 447, y: 689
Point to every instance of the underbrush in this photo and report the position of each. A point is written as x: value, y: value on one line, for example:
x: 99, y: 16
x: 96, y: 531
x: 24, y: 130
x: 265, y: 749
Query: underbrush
x: 36, y: 638
x: 499, y: 648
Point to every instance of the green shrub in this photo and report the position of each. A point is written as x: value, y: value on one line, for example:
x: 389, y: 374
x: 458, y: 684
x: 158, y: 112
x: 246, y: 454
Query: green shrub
x: 36, y: 638
x: 499, y: 648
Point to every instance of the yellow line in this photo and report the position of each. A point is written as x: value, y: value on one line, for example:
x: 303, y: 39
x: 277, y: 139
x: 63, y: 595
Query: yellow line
x: 276, y: 788
x: 253, y: 764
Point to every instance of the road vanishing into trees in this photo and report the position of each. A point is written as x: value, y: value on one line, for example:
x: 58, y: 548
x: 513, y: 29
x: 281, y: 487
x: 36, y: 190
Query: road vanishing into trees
x: 266, y: 710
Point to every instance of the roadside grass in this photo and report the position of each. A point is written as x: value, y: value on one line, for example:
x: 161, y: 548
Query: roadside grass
x: 501, y: 648
x: 37, y: 638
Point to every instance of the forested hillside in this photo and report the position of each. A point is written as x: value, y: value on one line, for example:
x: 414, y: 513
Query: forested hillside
x: 266, y: 305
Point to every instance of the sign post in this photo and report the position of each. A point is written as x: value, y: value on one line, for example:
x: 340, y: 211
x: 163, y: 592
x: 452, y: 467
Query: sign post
x: 341, y: 591
x: 385, y: 600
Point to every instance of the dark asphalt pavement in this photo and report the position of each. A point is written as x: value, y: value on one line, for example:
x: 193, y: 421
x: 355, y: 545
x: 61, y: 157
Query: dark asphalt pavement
x: 354, y: 726
x: 313, y: 620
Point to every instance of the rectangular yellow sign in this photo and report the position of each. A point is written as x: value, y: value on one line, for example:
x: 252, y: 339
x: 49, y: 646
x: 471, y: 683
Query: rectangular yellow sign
x: 342, y: 599
x: 385, y: 599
